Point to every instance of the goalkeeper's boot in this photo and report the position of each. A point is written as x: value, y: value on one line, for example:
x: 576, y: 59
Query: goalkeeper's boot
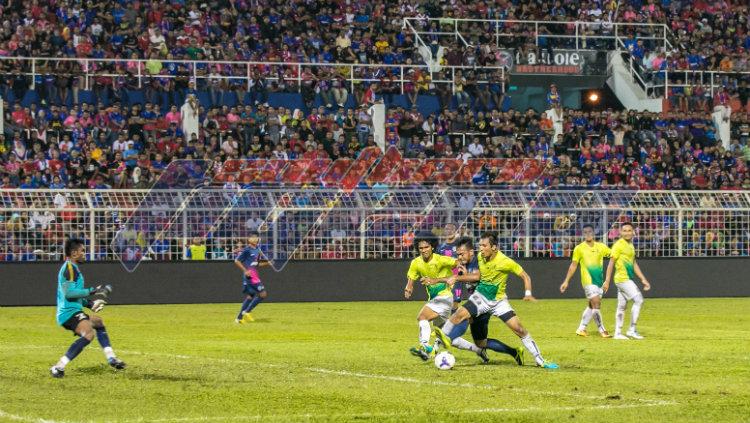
x: 483, y: 355
x: 422, y: 352
x: 247, y: 317
x: 116, y: 363
x: 443, y: 338
x: 57, y: 373
x: 519, y: 356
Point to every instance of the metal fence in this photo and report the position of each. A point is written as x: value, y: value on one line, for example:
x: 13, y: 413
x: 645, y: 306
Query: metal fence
x: 318, y: 223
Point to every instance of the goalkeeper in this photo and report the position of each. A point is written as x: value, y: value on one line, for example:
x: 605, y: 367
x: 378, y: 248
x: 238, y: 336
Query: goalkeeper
x: 72, y: 296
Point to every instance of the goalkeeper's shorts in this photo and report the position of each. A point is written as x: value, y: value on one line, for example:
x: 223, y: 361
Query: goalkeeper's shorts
x: 72, y: 323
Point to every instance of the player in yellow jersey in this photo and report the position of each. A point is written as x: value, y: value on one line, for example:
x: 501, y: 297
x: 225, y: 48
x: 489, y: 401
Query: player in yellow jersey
x: 426, y: 269
x: 489, y: 297
x: 626, y: 269
x: 590, y: 255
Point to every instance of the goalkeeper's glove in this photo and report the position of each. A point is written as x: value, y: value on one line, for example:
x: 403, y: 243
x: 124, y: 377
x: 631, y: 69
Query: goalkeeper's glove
x: 102, y: 292
x: 97, y: 305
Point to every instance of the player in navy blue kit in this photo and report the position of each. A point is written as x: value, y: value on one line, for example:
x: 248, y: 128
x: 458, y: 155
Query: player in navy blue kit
x: 248, y: 261
x: 72, y: 296
x: 448, y: 248
x: 480, y: 324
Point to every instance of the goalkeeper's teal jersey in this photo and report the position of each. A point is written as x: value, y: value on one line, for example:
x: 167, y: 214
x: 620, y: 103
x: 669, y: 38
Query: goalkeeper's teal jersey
x: 71, y: 294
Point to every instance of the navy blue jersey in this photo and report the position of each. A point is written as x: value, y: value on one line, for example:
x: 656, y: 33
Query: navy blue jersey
x: 249, y: 257
x: 448, y: 249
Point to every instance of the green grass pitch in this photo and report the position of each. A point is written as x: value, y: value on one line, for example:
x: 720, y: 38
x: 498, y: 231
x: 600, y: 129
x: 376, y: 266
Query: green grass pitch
x: 323, y: 362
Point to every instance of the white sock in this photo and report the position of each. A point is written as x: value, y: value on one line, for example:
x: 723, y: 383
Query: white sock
x: 447, y: 328
x: 620, y: 313
x: 635, y: 311
x: 62, y: 363
x: 424, y: 332
x: 585, y: 319
x: 597, y: 315
x: 463, y: 344
x: 109, y: 352
x: 531, y: 347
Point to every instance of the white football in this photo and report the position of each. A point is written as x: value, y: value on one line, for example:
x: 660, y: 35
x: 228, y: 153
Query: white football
x: 444, y: 360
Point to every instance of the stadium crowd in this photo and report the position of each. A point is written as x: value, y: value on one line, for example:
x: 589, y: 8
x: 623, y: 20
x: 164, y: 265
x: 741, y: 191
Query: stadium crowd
x: 119, y: 147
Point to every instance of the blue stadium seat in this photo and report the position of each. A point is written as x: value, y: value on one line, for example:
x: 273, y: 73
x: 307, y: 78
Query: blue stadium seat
x: 87, y: 97
x: 427, y: 104
x: 31, y: 96
x: 134, y: 97
x: 288, y: 100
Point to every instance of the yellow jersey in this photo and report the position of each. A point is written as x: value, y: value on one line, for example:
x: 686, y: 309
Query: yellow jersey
x: 438, y: 266
x: 591, y: 261
x: 623, y: 253
x: 493, y: 274
x: 197, y: 252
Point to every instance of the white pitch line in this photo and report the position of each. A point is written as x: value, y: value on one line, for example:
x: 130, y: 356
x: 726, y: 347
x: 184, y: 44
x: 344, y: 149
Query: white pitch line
x: 400, y: 378
x: 389, y: 415
x: 346, y: 373
x: 16, y: 417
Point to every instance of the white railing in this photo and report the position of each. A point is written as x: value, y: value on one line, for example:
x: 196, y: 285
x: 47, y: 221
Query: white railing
x: 135, y: 69
x: 577, y: 31
x: 324, y: 223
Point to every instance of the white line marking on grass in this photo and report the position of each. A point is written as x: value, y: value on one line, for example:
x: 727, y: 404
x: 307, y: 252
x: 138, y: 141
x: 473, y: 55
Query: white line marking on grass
x: 16, y: 417
x: 399, y: 378
x: 391, y: 415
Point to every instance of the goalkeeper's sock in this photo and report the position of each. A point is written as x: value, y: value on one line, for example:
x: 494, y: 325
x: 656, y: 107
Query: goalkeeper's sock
x: 103, y: 338
x: 62, y: 363
x: 245, y: 304
x: 500, y: 347
x: 256, y: 300
x: 75, y: 349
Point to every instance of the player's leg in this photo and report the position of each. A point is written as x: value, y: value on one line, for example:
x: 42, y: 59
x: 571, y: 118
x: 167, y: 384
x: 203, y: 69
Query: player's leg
x: 245, y: 304
x: 595, y: 302
x: 635, y: 310
x: 457, y: 293
x: 479, y: 332
x: 81, y: 326
x: 425, y: 316
x: 622, y: 302
x: 462, y: 344
x: 508, y: 316
x: 257, y: 299
x: 585, y: 319
x: 103, y: 337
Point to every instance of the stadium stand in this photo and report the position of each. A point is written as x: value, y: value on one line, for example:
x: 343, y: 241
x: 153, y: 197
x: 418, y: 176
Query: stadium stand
x: 96, y: 96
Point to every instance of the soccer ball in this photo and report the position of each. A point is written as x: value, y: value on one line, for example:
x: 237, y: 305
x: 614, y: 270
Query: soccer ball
x: 444, y: 360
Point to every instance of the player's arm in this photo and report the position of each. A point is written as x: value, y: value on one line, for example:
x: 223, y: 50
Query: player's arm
x: 238, y: 263
x: 412, y: 275
x: 571, y: 271
x: 608, y: 277
x: 409, y: 288
x: 517, y: 270
x: 641, y: 276
x: 68, y: 285
x: 526, y: 286
x: 73, y: 293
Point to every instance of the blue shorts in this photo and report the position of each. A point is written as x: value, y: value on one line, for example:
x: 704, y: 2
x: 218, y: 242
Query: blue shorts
x: 457, y: 292
x: 251, y: 289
